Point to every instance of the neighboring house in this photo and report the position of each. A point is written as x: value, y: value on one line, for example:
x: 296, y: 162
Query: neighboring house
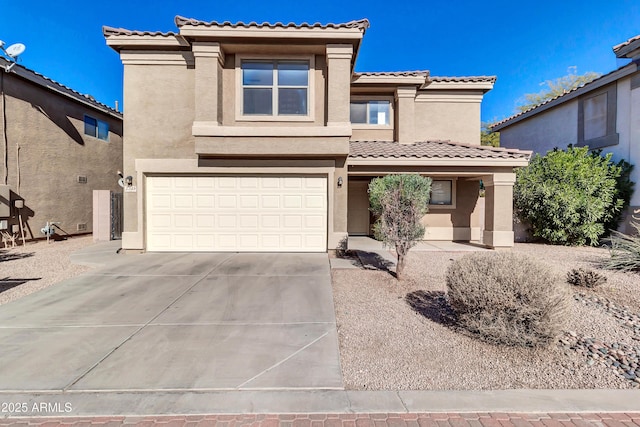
x: 603, y: 114
x: 59, y: 146
x: 261, y: 137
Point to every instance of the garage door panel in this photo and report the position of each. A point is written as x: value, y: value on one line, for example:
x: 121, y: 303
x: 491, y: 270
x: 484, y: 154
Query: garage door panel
x: 237, y: 213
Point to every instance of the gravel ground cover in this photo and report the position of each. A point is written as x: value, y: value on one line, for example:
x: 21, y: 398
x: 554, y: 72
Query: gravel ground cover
x: 399, y: 335
x: 24, y: 270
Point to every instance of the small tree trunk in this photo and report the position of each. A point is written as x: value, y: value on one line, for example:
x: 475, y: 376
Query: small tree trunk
x: 399, y: 267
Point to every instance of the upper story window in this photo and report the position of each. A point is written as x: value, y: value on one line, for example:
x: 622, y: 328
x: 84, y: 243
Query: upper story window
x: 96, y: 128
x: 371, y: 112
x: 597, y: 118
x: 275, y: 88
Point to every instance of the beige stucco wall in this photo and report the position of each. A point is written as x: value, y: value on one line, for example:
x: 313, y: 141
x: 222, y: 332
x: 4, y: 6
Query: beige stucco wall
x: 459, y: 223
x: 159, y: 113
x: 161, y: 132
x: 453, y: 121
x: 47, y: 131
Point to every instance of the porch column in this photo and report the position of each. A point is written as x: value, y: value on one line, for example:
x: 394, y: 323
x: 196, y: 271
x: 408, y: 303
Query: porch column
x: 338, y: 84
x: 498, y: 219
x: 209, y: 59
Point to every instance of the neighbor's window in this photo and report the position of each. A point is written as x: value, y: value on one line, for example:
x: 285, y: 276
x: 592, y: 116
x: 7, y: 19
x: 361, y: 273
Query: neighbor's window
x: 441, y: 192
x: 275, y: 88
x: 96, y: 128
x: 370, y: 112
x: 595, y: 116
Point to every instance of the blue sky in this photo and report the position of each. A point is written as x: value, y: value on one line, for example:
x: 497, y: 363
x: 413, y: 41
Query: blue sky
x: 523, y: 43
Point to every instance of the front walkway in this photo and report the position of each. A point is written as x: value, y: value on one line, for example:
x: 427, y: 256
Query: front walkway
x: 365, y: 243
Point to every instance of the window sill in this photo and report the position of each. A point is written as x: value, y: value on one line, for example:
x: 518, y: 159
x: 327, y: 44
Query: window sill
x: 604, y: 141
x: 442, y: 207
x: 361, y: 126
x: 285, y: 119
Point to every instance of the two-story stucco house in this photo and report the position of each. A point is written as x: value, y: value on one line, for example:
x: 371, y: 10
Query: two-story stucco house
x: 603, y: 114
x: 58, y: 147
x: 261, y: 137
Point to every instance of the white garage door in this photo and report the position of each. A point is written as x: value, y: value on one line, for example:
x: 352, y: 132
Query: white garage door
x: 237, y: 213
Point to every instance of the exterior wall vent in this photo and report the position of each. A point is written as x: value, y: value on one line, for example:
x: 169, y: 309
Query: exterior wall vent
x: 82, y: 179
x: 82, y: 227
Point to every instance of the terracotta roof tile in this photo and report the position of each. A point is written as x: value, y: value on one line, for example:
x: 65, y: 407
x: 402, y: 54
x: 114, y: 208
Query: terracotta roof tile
x: 617, y: 47
x: 491, y: 79
x: 417, y: 73
x: 361, y: 24
x: 431, y: 149
x: 112, y: 31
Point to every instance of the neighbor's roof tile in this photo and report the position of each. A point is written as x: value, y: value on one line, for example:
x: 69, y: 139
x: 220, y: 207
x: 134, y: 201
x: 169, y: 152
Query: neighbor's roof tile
x: 362, y: 24
x: 431, y: 149
x: 617, y: 47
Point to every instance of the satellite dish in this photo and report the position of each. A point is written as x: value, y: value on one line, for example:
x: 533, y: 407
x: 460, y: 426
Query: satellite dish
x: 15, y: 49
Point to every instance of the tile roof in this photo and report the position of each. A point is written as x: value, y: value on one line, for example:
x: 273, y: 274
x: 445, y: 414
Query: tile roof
x: 535, y: 107
x: 618, y: 47
x: 431, y: 150
x: 491, y: 79
x: 361, y: 24
x: 112, y: 31
x: 416, y: 73
x: 51, y: 84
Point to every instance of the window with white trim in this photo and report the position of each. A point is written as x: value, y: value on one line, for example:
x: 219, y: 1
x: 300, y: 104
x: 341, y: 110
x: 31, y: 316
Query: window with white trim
x: 96, y: 128
x: 275, y: 88
x: 370, y: 112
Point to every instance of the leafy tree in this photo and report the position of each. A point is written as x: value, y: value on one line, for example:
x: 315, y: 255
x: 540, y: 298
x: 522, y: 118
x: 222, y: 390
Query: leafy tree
x: 570, y: 197
x: 557, y: 87
x: 489, y: 137
x: 400, y: 202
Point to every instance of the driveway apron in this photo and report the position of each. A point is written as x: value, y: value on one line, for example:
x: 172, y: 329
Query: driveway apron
x: 147, y: 322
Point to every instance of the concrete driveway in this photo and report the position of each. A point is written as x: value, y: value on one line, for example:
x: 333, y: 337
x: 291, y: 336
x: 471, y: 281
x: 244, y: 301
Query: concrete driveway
x: 177, y: 322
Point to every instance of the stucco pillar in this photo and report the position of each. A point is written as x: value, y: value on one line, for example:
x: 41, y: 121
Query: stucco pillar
x: 406, y: 116
x: 338, y: 84
x: 498, y: 219
x: 209, y: 59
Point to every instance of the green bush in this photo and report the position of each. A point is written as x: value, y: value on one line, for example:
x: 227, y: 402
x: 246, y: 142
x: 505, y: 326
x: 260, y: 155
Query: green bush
x: 585, y: 278
x: 571, y: 197
x: 625, y: 250
x: 399, y: 202
x: 506, y: 298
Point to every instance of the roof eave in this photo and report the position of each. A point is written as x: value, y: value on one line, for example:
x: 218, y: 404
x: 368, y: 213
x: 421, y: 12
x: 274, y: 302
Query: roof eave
x: 596, y: 84
x: 431, y: 161
x: 120, y: 42
x: 484, y: 86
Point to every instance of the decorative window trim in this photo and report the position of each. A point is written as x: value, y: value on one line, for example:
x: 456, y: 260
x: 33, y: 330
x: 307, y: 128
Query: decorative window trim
x: 454, y: 182
x: 360, y: 98
x: 98, y: 122
x: 309, y: 117
x: 611, y: 136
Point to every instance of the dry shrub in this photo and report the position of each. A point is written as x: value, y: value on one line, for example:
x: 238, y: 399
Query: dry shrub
x: 585, y: 278
x: 506, y: 298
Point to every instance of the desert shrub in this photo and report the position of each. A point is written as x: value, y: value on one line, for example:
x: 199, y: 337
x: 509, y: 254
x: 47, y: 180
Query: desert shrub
x: 571, y: 197
x: 506, y: 298
x: 625, y: 250
x: 585, y: 278
x: 400, y: 202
